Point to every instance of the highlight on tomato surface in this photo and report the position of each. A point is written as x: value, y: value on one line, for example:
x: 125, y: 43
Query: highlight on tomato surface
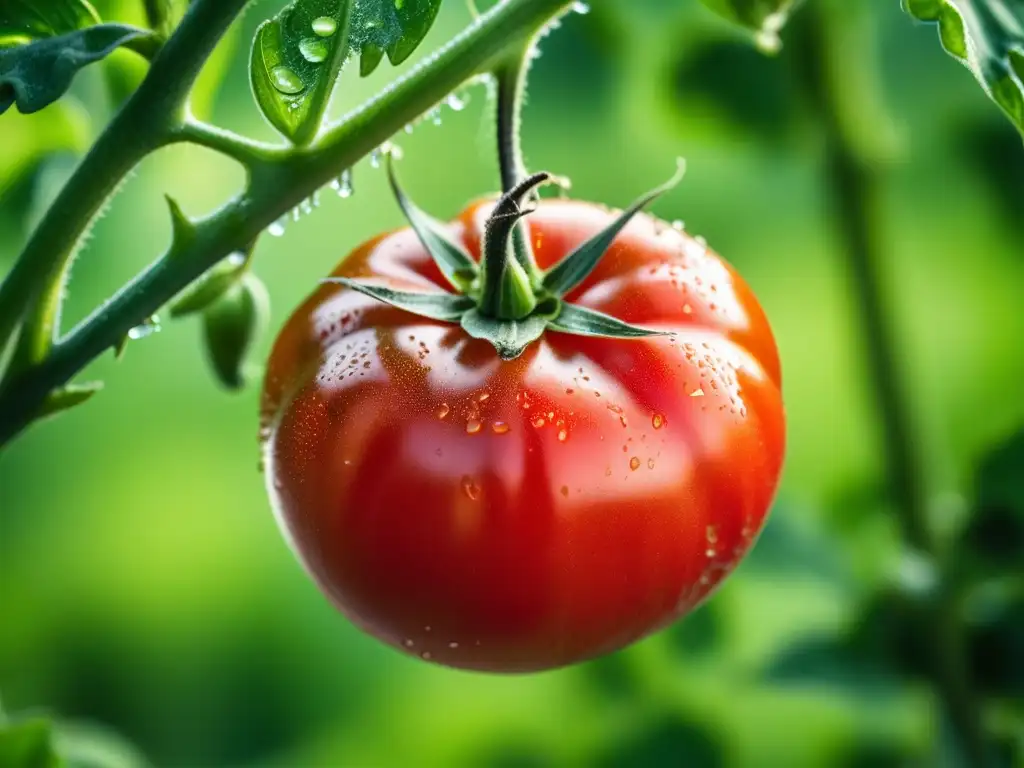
x: 525, y: 438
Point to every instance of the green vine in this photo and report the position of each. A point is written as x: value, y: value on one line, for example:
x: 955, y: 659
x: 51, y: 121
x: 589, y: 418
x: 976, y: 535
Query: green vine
x: 279, y: 178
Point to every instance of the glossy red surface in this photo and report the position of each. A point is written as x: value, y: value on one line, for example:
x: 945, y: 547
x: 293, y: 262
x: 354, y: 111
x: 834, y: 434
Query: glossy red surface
x: 522, y: 515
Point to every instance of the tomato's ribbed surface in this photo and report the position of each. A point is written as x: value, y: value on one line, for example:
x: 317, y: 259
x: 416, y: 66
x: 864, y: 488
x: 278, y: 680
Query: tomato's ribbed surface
x: 514, y: 516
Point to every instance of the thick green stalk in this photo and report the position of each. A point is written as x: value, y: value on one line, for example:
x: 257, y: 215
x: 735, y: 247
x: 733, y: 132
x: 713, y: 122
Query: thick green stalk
x: 850, y: 112
x: 36, y: 281
x: 281, y: 180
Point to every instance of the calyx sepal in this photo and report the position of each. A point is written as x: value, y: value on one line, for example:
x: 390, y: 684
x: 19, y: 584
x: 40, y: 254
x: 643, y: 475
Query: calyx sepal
x: 501, y: 300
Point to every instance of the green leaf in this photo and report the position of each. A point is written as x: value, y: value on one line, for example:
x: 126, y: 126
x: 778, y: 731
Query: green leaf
x: 451, y: 258
x: 296, y: 58
x: 22, y: 21
x: 995, y: 637
x: 28, y: 744
x: 232, y: 325
x: 394, y: 27
x: 832, y: 661
x: 509, y: 337
x: 38, y: 73
x: 446, y: 307
x: 765, y: 18
x: 987, y: 36
x: 581, y: 321
x: 994, y: 534
x: 669, y: 741
x: 210, y: 287
x: 575, y: 267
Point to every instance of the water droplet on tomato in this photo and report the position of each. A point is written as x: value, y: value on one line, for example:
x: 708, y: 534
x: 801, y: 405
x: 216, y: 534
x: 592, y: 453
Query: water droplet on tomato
x: 657, y: 421
x: 499, y: 427
x: 453, y: 645
x: 539, y: 422
x: 472, y: 491
x: 698, y: 392
x: 563, y: 435
x: 426, y: 656
x: 408, y: 643
x: 443, y: 411
x: 473, y: 426
x: 634, y: 463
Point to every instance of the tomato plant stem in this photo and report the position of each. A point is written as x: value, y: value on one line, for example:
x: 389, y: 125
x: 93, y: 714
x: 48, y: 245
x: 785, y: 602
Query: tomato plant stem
x: 511, y: 90
x: 855, y: 174
x: 36, y: 281
x: 279, y: 179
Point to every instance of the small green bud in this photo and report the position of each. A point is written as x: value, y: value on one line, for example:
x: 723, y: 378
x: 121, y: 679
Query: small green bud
x: 213, y: 284
x: 232, y: 325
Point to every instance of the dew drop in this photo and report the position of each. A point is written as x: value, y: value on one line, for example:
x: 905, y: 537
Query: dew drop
x: 144, y: 329
x: 563, y: 435
x: 343, y: 184
x: 634, y: 463
x: 657, y: 421
x: 408, y: 128
x: 453, y: 645
x: 324, y: 26
x: 679, y: 225
x: 314, y: 51
x: 286, y: 81
x: 277, y: 228
x: 306, y: 206
x: 538, y: 422
x: 581, y: 7
x: 375, y: 158
x: 499, y: 427
x: 426, y: 656
x: 473, y: 426
x: 455, y: 102
x: 408, y: 643
x: 434, y: 115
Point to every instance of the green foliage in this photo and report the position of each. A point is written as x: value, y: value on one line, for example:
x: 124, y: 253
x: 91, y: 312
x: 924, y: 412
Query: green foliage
x: 670, y: 741
x: 994, y: 534
x: 28, y: 744
x: 995, y: 632
x: 394, y: 27
x: 22, y: 21
x: 296, y: 58
x: 35, y: 74
x: 232, y: 325
x: 987, y: 36
x: 765, y: 18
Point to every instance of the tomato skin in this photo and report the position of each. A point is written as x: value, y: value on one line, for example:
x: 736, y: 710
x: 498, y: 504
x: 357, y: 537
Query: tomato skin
x: 513, y: 516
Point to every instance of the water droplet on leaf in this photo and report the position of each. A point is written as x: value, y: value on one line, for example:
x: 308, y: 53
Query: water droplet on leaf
x: 286, y: 81
x: 314, y: 51
x: 324, y: 26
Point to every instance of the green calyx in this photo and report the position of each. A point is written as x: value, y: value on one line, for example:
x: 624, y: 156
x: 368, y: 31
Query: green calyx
x: 505, y: 298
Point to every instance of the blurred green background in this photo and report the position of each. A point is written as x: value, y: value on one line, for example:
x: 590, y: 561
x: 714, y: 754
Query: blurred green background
x: 144, y: 584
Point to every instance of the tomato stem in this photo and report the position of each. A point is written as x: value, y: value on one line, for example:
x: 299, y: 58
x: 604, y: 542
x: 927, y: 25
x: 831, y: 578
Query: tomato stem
x: 510, y: 76
x: 508, y: 291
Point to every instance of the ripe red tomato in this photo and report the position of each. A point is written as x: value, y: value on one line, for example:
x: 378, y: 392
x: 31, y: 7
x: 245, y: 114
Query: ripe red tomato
x: 520, y: 515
